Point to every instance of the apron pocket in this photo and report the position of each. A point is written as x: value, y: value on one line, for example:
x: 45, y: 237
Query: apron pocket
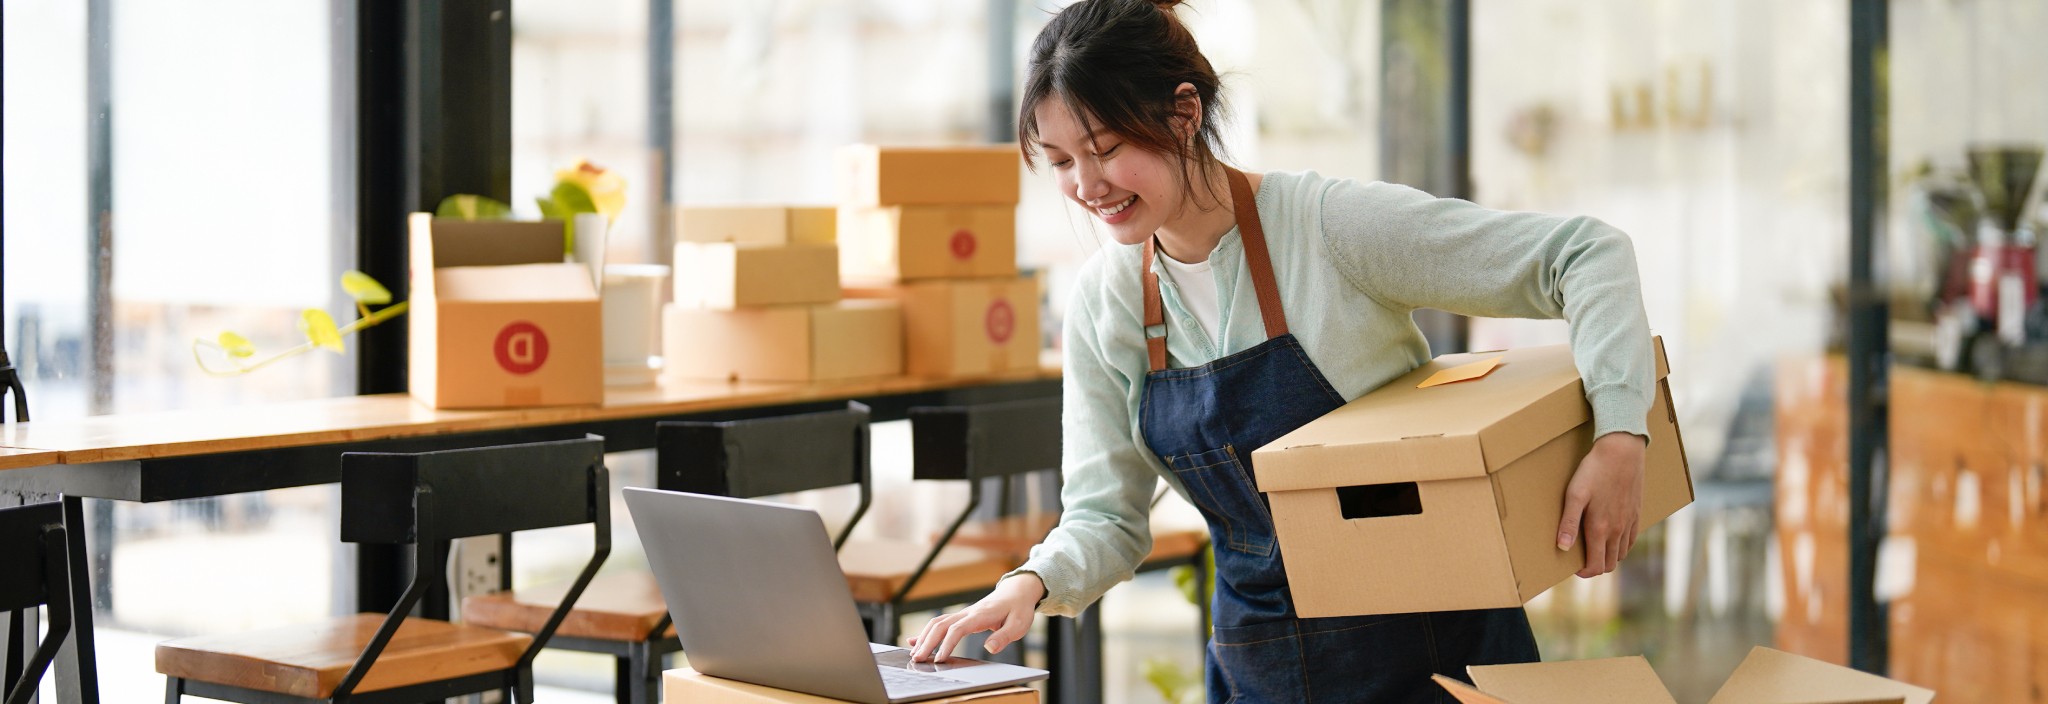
x: 1260, y: 663
x: 1223, y: 490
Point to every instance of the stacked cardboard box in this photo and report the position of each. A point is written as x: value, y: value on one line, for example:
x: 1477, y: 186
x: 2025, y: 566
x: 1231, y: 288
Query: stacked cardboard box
x: 934, y: 229
x: 757, y: 298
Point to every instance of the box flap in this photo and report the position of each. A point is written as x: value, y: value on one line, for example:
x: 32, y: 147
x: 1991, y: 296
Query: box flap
x: 1400, y: 433
x: 495, y: 242
x: 1626, y: 680
x: 521, y: 283
x: 1774, y: 677
x: 1465, y: 694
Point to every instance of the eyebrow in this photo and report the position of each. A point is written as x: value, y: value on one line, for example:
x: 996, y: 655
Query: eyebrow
x: 1092, y: 137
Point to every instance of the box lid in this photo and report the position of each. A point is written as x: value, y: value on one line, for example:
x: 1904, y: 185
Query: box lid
x: 1774, y: 677
x: 1399, y: 432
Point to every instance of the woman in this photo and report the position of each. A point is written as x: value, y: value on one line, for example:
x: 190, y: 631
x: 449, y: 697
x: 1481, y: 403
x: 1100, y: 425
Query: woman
x: 1242, y: 306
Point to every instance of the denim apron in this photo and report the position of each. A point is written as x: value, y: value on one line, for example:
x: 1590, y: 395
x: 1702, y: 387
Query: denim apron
x: 1204, y: 422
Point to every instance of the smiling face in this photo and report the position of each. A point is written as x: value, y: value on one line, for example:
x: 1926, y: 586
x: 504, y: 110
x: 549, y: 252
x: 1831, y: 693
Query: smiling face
x: 1132, y: 191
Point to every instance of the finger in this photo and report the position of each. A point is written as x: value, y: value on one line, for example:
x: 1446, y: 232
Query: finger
x: 933, y: 630
x: 956, y: 631
x: 1596, y: 555
x: 1614, y: 553
x: 1574, y: 510
x: 1628, y: 544
x: 1013, y: 630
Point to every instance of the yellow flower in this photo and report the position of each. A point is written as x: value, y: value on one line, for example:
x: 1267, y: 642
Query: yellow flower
x: 607, y: 190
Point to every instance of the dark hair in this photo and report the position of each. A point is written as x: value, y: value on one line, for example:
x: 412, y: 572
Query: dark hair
x: 1119, y: 61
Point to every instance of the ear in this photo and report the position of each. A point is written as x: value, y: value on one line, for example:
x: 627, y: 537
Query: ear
x: 1187, y: 110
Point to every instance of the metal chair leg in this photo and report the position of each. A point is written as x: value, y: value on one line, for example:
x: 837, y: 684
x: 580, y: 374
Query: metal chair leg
x: 174, y: 690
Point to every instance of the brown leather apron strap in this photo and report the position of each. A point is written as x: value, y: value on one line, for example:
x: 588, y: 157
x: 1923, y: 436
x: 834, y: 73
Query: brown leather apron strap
x: 1155, y: 313
x: 1255, y: 256
x: 1244, y: 202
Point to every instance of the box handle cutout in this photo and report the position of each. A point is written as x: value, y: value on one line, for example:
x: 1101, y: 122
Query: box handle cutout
x: 1379, y: 500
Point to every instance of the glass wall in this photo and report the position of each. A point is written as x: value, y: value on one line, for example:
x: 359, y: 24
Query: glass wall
x: 224, y: 169
x: 1715, y: 134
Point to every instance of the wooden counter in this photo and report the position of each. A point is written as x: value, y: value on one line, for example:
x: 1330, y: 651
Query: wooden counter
x: 1968, y: 506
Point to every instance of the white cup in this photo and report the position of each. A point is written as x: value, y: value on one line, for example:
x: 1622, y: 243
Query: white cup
x: 632, y: 319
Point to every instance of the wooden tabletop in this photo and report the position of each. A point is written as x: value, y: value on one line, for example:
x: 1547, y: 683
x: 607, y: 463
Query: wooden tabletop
x: 17, y: 457
x: 137, y: 436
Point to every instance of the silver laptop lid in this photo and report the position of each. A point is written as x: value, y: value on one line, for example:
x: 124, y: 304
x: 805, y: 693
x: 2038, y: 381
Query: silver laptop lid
x: 756, y: 593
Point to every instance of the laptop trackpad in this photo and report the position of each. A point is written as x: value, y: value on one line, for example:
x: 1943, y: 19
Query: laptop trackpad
x: 899, y: 658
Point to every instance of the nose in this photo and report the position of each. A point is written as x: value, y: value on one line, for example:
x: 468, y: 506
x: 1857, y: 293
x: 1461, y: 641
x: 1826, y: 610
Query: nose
x: 1089, y: 185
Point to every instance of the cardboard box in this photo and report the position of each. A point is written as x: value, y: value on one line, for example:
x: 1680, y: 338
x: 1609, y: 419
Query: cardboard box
x: 1765, y: 677
x: 980, y: 175
x: 1447, y: 498
x: 908, y: 242
x: 844, y: 340
x: 729, y: 275
x: 497, y: 320
x: 687, y: 685
x: 757, y: 225
x: 964, y: 327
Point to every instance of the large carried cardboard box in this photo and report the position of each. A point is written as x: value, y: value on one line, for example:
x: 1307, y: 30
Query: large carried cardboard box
x: 908, y: 242
x: 843, y: 340
x: 1765, y: 677
x: 985, y: 175
x: 498, y: 320
x: 770, y: 225
x: 1448, y: 497
x: 687, y: 685
x: 964, y: 327
x: 727, y: 275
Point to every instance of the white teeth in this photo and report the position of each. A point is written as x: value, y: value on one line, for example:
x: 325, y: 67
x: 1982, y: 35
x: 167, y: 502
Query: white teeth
x: 1107, y: 212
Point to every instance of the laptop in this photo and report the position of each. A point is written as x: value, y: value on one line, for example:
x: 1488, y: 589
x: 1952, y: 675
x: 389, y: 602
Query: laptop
x: 757, y: 596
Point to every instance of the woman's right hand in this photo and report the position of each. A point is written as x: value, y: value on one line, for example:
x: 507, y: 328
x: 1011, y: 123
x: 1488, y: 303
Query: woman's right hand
x: 1007, y: 611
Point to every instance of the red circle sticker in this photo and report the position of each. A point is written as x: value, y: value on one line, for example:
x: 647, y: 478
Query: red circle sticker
x: 521, y: 347
x: 962, y: 244
x: 1001, y: 321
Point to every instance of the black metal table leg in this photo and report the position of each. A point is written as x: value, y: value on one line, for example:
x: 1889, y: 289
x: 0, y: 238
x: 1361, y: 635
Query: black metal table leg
x: 77, y: 665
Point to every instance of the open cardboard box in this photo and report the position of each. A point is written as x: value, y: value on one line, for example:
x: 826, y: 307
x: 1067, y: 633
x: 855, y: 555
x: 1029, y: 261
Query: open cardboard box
x: 1448, y: 497
x: 1765, y: 677
x: 498, y: 320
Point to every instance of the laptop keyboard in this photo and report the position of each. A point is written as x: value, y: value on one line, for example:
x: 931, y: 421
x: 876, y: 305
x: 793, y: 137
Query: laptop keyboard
x: 902, y: 682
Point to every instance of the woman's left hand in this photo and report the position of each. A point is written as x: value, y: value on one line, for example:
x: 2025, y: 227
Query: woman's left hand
x: 1604, y: 501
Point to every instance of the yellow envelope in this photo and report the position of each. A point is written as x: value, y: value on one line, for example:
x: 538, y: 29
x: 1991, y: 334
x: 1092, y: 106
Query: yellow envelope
x: 1463, y: 372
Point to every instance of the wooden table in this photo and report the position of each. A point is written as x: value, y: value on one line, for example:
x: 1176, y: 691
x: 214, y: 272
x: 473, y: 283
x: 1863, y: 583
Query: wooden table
x: 149, y: 457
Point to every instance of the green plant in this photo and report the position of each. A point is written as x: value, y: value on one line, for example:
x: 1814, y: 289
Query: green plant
x: 583, y: 188
x: 318, y: 327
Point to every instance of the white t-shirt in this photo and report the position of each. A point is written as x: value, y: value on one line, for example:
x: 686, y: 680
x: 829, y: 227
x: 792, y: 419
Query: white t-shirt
x: 1197, y: 292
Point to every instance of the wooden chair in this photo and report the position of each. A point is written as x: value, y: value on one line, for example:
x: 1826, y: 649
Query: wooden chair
x: 622, y: 614
x: 37, y: 572
x: 425, y: 499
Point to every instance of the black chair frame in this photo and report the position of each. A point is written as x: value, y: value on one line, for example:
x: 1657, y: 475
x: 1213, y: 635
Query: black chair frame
x: 973, y: 443
x: 743, y: 458
x: 381, y: 490
x: 48, y: 579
